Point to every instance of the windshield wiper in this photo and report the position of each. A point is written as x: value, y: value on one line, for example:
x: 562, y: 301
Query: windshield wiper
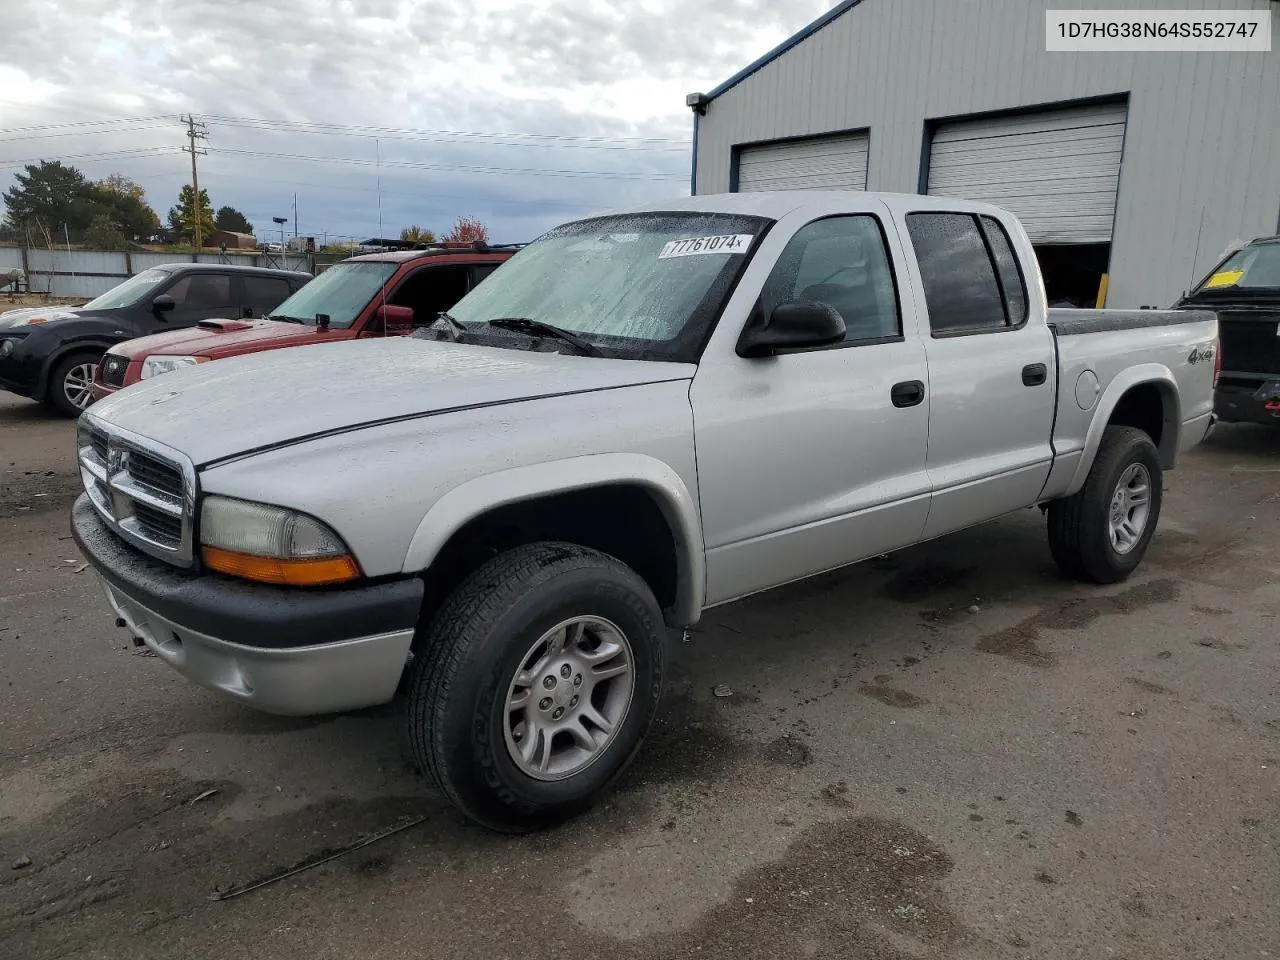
x: 531, y: 326
x: 281, y: 317
x: 452, y: 324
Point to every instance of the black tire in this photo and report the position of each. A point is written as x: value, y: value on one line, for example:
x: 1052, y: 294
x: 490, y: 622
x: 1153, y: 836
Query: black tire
x: 457, y: 711
x: 56, y: 395
x: 1079, y: 525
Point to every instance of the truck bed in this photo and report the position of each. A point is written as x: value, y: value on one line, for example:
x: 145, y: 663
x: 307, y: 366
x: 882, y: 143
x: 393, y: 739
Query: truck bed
x: 1101, y: 353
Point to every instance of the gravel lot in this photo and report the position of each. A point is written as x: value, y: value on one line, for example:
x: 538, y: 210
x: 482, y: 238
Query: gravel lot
x: 948, y: 753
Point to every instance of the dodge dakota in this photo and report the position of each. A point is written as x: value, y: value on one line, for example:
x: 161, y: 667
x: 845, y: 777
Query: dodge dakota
x: 640, y: 416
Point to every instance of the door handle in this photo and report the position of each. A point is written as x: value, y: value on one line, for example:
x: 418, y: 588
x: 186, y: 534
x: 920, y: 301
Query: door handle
x: 1034, y: 374
x: 909, y: 393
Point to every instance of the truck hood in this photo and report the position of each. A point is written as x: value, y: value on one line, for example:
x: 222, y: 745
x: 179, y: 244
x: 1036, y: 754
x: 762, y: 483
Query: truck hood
x: 218, y: 338
x: 263, y: 400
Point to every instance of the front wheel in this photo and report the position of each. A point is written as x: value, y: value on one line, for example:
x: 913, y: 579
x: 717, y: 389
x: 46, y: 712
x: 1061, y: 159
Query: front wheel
x: 71, y: 383
x: 539, y: 677
x: 1101, y: 533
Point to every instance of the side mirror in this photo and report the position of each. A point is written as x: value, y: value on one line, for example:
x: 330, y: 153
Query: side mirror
x: 395, y: 319
x: 799, y: 323
x: 163, y: 304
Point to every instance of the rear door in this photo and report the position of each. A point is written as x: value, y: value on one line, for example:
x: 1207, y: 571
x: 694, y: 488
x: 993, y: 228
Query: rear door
x: 992, y: 371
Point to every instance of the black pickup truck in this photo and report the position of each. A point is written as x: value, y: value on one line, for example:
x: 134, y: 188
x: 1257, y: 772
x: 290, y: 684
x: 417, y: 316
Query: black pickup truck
x: 1244, y: 289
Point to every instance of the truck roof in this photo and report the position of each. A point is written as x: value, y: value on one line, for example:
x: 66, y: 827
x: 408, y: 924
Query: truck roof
x: 470, y: 251
x: 777, y: 204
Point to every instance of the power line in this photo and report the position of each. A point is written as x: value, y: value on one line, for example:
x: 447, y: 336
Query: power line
x: 83, y: 133
x: 387, y: 132
x: 86, y: 123
x: 133, y: 152
x: 543, y: 141
x: 461, y: 168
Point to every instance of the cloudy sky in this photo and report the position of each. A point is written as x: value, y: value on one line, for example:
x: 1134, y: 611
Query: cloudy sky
x: 523, y: 113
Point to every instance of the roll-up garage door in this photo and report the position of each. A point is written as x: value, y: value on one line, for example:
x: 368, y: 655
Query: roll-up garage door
x: 1058, y: 170
x: 819, y: 163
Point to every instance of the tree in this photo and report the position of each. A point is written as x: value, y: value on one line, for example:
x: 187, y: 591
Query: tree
x: 125, y: 203
x: 119, y: 183
x: 182, y: 218
x: 229, y: 218
x: 467, y: 230
x: 417, y: 234
x: 105, y: 233
x: 46, y: 197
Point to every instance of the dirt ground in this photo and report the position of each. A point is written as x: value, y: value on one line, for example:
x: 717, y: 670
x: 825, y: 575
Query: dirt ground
x: 948, y: 753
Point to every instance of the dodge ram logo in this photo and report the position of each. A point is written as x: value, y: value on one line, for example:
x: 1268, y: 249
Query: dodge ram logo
x: 165, y: 398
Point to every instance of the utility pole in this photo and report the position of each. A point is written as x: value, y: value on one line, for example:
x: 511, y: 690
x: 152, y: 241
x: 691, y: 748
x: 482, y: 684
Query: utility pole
x: 195, y: 131
x: 295, y: 216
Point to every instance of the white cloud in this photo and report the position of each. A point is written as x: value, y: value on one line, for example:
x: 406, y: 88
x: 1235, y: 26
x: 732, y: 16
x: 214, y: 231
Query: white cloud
x: 574, y: 68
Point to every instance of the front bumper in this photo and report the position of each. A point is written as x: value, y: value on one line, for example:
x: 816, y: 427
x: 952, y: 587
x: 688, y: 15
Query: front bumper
x: 288, y: 651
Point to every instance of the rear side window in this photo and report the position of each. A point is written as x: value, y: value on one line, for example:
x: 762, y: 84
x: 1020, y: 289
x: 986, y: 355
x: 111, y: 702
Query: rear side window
x: 960, y: 286
x: 1011, y: 282
x: 264, y: 294
x: 482, y: 270
x: 842, y: 262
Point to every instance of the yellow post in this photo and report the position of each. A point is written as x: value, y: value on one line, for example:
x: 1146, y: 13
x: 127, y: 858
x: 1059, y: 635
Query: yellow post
x: 1102, y: 291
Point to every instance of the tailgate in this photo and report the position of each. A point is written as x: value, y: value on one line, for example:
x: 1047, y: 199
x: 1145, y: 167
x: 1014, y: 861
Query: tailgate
x: 1250, y: 342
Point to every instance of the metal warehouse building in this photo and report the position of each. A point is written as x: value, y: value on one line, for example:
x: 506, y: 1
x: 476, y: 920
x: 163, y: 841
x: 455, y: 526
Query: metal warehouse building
x: 1141, y: 167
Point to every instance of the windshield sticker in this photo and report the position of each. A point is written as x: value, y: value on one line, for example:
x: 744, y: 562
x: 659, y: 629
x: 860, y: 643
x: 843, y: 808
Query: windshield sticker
x: 1228, y: 278
x: 697, y: 246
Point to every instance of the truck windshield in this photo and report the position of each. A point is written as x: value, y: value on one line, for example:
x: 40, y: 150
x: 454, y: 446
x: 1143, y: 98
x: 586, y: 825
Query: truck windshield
x: 1254, y: 267
x: 129, y: 292
x: 341, y: 292
x: 639, y: 286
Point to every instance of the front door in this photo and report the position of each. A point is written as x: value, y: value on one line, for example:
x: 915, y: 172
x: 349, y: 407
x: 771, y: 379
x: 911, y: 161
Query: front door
x: 992, y: 376
x: 814, y: 459
x: 199, y: 296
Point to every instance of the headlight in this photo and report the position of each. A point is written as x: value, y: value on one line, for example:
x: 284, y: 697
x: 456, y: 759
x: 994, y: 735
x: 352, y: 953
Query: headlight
x: 271, y: 544
x: 153, y: 366
x: 6, y: 348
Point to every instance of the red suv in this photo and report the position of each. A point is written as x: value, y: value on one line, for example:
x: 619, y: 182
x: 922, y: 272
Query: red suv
x: 376, y: 295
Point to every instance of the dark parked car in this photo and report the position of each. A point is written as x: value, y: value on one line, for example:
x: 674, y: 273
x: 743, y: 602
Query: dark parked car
x: 1245, y: 291
x: 50, y: 353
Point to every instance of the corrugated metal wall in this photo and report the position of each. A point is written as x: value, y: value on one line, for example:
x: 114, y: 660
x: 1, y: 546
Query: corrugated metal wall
x: 1202, y: 147
x: 90, y: 273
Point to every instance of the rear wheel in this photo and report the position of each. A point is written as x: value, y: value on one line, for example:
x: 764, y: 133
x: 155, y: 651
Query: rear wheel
x: 1101, y: 533
x: 71, y: 384
x: 539, y: 677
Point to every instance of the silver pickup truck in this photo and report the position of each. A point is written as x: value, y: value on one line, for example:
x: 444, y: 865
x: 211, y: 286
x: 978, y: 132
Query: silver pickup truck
x: 638, y: 417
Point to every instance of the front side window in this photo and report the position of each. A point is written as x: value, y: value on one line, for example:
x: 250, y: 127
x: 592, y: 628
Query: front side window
x: 842, y: 262
x: 201, y: 291
x: 131, y: 291
x: 960, y: 287
x: 340, y: 293
x: 638, y: 286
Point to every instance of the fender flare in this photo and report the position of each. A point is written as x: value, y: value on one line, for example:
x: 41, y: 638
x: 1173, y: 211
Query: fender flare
x: 1156, y: 374
x: 476, y: 497
x: 71, y: 346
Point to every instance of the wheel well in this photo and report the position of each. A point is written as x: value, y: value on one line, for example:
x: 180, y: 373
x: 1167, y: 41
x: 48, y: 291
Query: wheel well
x: 64, y: 351
x: 1142, y: 407
x: 621, y: 520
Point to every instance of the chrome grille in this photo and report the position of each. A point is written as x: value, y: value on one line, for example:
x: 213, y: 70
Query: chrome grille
x: 145, y: 492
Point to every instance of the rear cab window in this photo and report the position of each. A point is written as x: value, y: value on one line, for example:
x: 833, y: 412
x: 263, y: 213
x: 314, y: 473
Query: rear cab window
x: 972, y: 282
